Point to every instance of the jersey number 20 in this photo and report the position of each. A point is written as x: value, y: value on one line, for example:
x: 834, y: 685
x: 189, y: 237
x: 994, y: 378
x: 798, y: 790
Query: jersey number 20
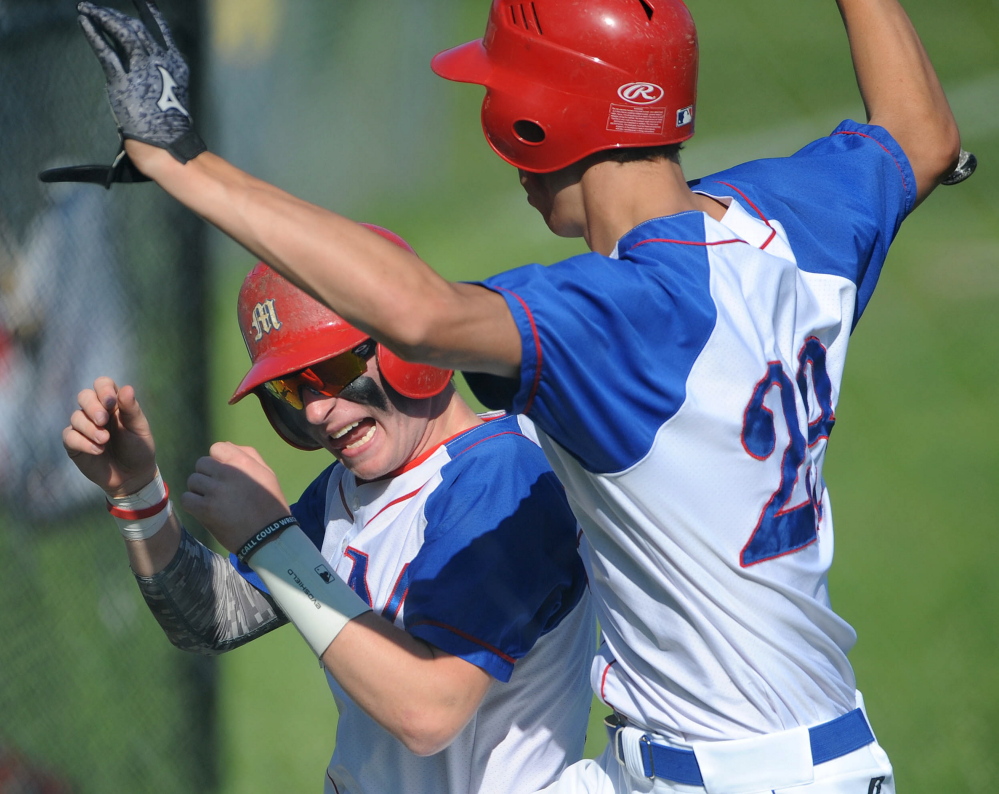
x: 784, y: 527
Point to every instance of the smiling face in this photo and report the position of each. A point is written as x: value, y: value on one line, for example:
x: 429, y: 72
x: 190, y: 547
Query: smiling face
x: 373, y: 430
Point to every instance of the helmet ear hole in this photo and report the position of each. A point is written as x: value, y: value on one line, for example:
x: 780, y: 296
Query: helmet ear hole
x: 529, y: 132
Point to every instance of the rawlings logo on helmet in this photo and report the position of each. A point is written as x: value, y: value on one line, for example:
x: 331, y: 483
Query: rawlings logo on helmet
x: 641, y: 93
x: 593, y: 76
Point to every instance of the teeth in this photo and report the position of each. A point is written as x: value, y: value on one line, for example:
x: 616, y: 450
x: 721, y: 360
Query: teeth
x: 344, y: 431
x: 363, y: 439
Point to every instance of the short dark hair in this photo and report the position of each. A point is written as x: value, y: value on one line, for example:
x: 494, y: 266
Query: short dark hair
x: 638, y: 154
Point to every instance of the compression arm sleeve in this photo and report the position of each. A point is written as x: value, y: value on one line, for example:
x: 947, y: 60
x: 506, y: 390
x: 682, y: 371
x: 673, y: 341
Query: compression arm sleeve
x: 203, y: 605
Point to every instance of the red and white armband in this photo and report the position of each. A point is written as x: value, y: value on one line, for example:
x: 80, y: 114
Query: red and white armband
x: 142, y: 514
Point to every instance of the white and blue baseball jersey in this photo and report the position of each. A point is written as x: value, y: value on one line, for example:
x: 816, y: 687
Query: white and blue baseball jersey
x: 684, y: 389
x: 472, y: 548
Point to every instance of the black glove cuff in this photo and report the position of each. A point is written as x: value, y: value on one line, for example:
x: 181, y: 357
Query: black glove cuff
x: 187, y: 146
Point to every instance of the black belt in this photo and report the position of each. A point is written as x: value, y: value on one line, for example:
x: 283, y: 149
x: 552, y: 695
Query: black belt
x: 829, y: 740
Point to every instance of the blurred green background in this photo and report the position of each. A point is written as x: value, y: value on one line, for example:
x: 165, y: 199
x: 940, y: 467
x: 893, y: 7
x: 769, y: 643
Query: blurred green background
x: 335, y: 102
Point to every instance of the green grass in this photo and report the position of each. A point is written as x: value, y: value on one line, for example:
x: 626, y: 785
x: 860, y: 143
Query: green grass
x: 912, y: 465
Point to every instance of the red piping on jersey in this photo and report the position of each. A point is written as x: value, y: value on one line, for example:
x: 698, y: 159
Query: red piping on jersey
x: 469, y: 637
x: 396, y: 501
x: 685, y: 242
x: 421, y: 458
x: 886, y: 151
x: 773, y: 231
x: 537, y: 347
x: 488, y: 438
x: 603, y: 680
x: 416, y: 462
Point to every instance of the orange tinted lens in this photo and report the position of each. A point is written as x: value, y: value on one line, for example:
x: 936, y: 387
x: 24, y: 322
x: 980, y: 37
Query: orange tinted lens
x: 287, y: 390
x: 327, y: 378
x: 335, y: 373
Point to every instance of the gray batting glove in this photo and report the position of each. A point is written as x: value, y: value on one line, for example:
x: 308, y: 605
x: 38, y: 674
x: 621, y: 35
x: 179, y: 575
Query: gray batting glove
x: 147, y: 77
x: 147, y: 85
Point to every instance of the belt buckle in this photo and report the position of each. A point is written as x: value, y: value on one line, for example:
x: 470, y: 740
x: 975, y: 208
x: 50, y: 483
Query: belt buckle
x: 645, y: 741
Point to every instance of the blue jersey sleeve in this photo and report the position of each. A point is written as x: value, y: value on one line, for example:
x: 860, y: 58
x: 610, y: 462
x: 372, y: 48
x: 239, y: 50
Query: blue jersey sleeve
x: 841, y: 201
x: 607, y: 342
x: 499, y: 566
x: 310, y: 510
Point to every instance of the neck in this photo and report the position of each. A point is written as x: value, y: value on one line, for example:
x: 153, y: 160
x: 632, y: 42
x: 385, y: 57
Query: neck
x: 456, y: 416
x: 449, y: 416
x: 616, y: 197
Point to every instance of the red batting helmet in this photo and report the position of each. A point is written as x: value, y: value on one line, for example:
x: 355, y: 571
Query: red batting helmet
x: 567, y: 78
x: 286, y: 330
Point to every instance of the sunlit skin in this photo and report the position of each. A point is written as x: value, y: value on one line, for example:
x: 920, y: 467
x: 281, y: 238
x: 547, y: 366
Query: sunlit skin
x: 557, y: 198
x: 588, y: 200
x: 391, y: 430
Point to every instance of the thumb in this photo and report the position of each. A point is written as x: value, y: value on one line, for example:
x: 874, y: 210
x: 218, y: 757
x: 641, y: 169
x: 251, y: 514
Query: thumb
x: 251, y: 453
x: 225, y: 452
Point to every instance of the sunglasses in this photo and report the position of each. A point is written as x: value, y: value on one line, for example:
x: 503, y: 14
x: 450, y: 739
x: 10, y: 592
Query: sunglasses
x: 327, y: 378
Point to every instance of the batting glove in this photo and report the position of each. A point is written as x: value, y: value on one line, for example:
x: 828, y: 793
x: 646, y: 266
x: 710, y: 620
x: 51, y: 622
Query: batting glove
x: 147, y: 86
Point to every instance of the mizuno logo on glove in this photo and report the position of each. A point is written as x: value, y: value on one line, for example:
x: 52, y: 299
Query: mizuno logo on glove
x: 168, y: 99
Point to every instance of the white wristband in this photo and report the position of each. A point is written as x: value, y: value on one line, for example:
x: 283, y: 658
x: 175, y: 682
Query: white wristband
x: 149, y: 495
x: 142, y: 514
x: 144, y: 528
x: 314, y: 598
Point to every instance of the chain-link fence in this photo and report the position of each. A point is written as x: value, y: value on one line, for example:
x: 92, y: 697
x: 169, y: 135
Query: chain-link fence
x: 92, y: 282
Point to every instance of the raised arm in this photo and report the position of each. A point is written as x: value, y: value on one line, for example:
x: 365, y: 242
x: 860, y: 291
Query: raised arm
x: 372, y: 283
x: 900, y: 88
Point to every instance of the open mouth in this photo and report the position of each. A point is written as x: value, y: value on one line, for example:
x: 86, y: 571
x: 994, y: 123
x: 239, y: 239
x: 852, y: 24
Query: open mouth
x: 354, y: 435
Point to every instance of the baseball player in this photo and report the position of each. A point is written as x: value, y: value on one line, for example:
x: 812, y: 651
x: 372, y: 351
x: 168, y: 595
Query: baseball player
x: 683, y: 376
x: 446, y: 539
